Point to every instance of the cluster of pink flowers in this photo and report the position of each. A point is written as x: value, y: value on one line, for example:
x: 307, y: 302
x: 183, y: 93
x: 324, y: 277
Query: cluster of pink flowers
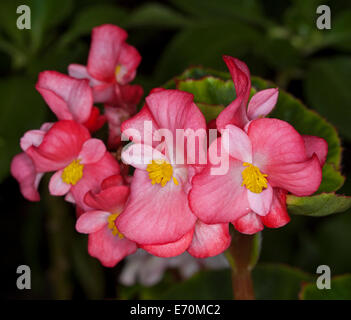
x: 167, y: 207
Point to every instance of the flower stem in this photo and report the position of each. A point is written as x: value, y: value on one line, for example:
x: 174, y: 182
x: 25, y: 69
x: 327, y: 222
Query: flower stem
x: 242, y: 255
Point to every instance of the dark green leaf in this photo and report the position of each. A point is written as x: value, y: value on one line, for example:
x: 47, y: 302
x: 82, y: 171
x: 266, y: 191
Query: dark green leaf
x: 340, y: 290
x: 318, y: 205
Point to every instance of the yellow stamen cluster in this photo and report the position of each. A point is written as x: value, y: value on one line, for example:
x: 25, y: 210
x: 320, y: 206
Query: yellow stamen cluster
x: 111, y: 225
x: 253, y: 178
x: 160, y: 171
x: 118, y: 69
x: 73, y: 172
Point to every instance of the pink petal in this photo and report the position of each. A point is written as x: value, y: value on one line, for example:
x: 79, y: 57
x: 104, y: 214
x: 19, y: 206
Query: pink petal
x: 104, y: 93
x: 278, y: 215
x: 112, y: 181
x: 209, y: 240
x: 260, y: 203
x: 170, y: 249
x: 105, y: 48
x: 68, y: 98
x: 316, y: 145
x: 129, y: 97
x: 237, y: 143
x: 140, y: 128
x: 141, y: 155
x: 92, y: 151
x: 92, y: 221
x: 109, y: 249
x: 275, y: 142
x: 208, y: 189
x: 249, y: 224
x: 129, y: 59
x: 78, y: 71
x: 32, y: 138
x: 56, y: 186
x: 111, y: 199
x: 61, y: 144
x: 262, y: 103
x: 235, y: 113
x: 95, y: 121
x: 155, y: 214
x: 301, y: 179
x: 115, y: 117
x: 23, y: 170
x: 93, y: 175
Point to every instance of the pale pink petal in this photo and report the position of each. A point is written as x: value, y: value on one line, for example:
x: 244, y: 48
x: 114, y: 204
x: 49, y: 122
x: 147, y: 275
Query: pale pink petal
x: 260, y: 203
x: 92, y: 221
x: 162, y: 213
x: 105, y: 48
x: 209, y: 240
x: 92, y: 151
x: 141, y: 155
x: 32, y: 138
x: 56, y: 186
x: 262, y: 103
x: 237, y: 143
x: 249, y: 224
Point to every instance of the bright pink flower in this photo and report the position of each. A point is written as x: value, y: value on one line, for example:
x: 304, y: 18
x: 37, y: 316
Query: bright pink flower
x: 80, y: 162
x: 269, y: 157
x: 112, y: 64
x: 259, y: 106
x: 157, y: 211
x: 105, y: 242
x: 70, y: 99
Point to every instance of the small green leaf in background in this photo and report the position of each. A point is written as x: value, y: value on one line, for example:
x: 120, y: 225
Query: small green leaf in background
x: 327, y: 91
x: 21, y: 109
x: 156, y: 14
x: 318, y: 205
x: 278, y: 281
x: 340, y: 290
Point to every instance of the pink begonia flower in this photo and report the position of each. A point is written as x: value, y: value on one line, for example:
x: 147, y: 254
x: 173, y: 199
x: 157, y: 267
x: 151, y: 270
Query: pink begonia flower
x: 105, y: 242
x: 264, y: 163
x: 80, y: 162
x: 238, y: 112
x: 70, y: 99
x: 158, y: 212
x: 112, y: 64
x: 148, y: 270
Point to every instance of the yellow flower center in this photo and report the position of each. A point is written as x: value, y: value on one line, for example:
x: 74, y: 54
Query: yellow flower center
x: 253, y: 178
x: 118, y: 70
x: 160, y: 171
x: 73, y: 172
x: 111, y: 225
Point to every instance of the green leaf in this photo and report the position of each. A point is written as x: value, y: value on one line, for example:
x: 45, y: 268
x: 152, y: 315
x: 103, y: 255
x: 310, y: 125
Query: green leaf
x: 156, y: 15
x: 340, y: 289
x: 21, y: 109
x: 332, y: 179
x: 318, y: 205
x: 209, y: 90
x: 327, y: 92
x: 278, y: 281
x: 92, y: 16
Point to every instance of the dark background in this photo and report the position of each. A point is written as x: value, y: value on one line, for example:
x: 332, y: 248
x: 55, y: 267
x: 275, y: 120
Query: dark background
x: 278, y: 40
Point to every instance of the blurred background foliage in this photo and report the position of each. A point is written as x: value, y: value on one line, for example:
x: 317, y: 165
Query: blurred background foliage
x: 278, y: 40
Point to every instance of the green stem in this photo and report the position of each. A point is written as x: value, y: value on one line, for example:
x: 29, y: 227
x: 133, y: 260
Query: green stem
x: 242, y: 255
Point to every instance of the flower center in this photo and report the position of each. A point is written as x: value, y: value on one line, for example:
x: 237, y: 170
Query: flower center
x: 160, y: 171
x: 111, y: 225
x: 118, y: 70
x: 73, y: 172
x: 253, y: 178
